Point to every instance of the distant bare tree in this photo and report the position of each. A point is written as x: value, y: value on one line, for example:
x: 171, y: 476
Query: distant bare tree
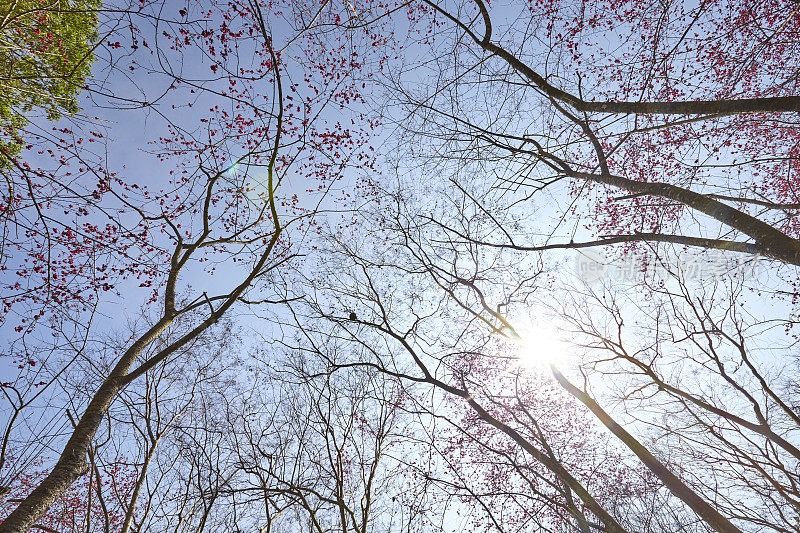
x: 329, y: 456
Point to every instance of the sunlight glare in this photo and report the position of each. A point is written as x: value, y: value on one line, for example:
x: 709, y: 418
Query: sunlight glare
x: 541, y: 345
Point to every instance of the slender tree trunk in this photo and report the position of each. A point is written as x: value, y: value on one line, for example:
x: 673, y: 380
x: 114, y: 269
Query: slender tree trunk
x: 771, y: 241
x: 72, y: 463
x: 675, y: 485
x: 126, y: 525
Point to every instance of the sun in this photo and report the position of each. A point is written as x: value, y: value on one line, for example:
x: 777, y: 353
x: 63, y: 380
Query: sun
x: 541, y: 344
